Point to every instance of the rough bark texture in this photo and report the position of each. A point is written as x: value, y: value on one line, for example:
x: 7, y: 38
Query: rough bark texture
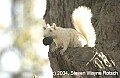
x: 106, y: 22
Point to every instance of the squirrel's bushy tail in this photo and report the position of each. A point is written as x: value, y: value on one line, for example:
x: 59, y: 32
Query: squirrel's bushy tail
x: 81, y: 18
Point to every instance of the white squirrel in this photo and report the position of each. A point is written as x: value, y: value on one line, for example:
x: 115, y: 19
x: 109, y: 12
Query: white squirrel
x: 68, y: 37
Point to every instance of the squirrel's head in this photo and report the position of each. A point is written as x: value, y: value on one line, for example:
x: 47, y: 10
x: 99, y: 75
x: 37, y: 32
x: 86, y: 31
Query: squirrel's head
x: 50, y: 30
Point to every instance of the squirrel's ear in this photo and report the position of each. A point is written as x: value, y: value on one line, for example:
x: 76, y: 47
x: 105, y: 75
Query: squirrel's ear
x: 48, y: 25
x: 54, y: 25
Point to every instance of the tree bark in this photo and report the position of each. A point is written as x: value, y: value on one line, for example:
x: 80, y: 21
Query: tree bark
x: 105, y: 20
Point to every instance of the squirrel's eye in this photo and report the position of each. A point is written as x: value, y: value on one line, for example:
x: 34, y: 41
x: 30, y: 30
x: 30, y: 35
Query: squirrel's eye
x: 50, y: 30
x: 44, y: 28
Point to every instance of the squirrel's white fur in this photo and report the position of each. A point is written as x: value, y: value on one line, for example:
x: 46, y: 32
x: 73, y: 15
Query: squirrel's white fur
x: 81, y: 18
x: 68, y: 37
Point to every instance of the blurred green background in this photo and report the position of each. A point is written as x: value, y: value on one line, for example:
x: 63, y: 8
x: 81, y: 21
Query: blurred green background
x: 22, y: 53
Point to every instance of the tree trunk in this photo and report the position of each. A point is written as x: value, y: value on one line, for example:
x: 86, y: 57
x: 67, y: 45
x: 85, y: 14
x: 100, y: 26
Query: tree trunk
x: 105, y: 20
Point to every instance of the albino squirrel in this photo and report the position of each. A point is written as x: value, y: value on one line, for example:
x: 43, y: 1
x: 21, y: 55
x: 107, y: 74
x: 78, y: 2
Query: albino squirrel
x: 68, y: 37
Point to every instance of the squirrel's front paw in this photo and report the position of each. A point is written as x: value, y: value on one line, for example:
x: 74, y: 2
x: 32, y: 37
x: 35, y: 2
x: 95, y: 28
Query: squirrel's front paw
x: 54, y: 49
x: 62, y: 51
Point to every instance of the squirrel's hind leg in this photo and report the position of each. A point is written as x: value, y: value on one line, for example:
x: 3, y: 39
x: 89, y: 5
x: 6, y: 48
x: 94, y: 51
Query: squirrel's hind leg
x: 79, y: 41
